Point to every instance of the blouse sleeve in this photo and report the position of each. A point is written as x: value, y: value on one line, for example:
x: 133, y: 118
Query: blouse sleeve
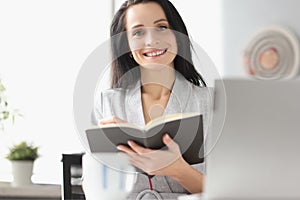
x: 97, y: 113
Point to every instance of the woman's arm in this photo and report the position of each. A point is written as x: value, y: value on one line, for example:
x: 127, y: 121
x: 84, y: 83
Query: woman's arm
x: 189, y: 178
x: 165, y: 163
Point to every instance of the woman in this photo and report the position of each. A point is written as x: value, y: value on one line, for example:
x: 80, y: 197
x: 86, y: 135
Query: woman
x: 153, y: 75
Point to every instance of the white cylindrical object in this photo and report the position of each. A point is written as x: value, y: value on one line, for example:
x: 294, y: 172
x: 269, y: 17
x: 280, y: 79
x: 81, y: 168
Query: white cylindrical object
x: 22, y: 172
x: 113, y: 180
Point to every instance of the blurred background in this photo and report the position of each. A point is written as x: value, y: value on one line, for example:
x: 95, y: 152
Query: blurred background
x: 43, y: 45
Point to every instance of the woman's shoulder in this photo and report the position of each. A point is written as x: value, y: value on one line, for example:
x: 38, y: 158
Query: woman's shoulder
x: 108, y: 95
x: 185, y: 85
x: 111, y: 102
x: 111, y: 91
x: 202, y: 92
x: 116, y: 92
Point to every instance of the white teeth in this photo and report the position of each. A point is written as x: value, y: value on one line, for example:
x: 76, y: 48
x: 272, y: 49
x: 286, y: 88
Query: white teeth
x: 156, y: 53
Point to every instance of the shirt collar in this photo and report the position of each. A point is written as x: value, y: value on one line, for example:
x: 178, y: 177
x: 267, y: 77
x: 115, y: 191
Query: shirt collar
x: 178, y: 100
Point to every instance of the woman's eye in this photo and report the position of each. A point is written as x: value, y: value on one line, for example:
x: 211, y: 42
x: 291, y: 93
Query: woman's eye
x: 138, y: 33
x: 162, y: 28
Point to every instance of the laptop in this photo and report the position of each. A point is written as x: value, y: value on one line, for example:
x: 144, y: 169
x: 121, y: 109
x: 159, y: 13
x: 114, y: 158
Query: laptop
x: 255, y: 146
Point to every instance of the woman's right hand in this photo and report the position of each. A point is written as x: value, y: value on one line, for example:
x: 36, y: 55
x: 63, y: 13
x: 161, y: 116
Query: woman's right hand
x: 113, y: 120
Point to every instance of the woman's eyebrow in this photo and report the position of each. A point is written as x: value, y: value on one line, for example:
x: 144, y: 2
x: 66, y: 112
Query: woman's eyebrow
x: 159, y: 20
x: 136, y: 26
x: 155, y: 22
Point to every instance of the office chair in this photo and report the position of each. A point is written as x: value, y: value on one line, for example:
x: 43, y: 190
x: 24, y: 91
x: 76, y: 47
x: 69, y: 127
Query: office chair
x: 72, y: 172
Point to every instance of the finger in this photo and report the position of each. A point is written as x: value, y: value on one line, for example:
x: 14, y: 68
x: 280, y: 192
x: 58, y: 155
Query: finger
x: 118, y: 120
x: 138, y: 160
x: 112, y: 120
x: 136, y: 163
x: 126, y: 149
x: 132, y: 154
x: 143, y: 167
x: 138, y: 149
x: 109, y: 121
x: 170, y: 143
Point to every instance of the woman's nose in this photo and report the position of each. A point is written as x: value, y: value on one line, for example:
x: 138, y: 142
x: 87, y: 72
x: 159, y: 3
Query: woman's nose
x: 151, y: 38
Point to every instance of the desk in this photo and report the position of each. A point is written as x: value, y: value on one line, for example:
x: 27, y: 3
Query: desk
x: 191, y: 197
x: 202, y: 197
x: 35, y: 191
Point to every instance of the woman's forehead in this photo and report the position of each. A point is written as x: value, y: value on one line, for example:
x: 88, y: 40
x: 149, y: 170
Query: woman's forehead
x: 144, y: 13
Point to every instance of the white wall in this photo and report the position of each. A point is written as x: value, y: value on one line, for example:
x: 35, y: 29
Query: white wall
x: 43, y: 45
x: 241, y: 20
x: 203, y: 21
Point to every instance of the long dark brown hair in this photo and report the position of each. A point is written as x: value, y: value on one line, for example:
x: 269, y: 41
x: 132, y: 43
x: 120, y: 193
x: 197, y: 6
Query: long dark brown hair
x: 121, y: 54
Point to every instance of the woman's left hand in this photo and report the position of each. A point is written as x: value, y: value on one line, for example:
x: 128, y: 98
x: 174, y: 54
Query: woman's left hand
x: 156, y: 162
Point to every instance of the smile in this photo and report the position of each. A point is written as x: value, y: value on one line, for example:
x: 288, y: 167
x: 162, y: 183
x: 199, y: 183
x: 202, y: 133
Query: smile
x: 155, y: 53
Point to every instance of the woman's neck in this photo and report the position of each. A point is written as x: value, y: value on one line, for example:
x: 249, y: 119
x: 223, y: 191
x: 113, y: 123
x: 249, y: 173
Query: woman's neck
x: 157, y: 82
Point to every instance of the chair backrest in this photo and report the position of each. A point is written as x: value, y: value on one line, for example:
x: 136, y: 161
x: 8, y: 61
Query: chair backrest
x: 72, y: 173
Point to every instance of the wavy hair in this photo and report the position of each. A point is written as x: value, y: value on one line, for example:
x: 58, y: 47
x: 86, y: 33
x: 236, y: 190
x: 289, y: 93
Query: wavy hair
x: 121, y: 54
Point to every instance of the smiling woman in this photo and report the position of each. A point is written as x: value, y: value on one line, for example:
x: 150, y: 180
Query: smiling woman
x: 150, y: 42
x: 150, y: 38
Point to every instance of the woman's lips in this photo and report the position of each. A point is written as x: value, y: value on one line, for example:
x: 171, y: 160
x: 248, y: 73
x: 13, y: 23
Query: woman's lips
x: 155, y: 53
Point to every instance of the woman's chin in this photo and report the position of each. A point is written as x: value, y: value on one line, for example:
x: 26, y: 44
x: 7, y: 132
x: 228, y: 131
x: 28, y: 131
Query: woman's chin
x: 155, y: 66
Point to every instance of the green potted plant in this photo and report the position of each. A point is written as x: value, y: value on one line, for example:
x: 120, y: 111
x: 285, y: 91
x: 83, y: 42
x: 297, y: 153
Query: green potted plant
x: 5, y: 112
x: 22, y: 157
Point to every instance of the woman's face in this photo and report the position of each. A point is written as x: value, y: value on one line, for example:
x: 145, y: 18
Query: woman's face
x: 149, y: 36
